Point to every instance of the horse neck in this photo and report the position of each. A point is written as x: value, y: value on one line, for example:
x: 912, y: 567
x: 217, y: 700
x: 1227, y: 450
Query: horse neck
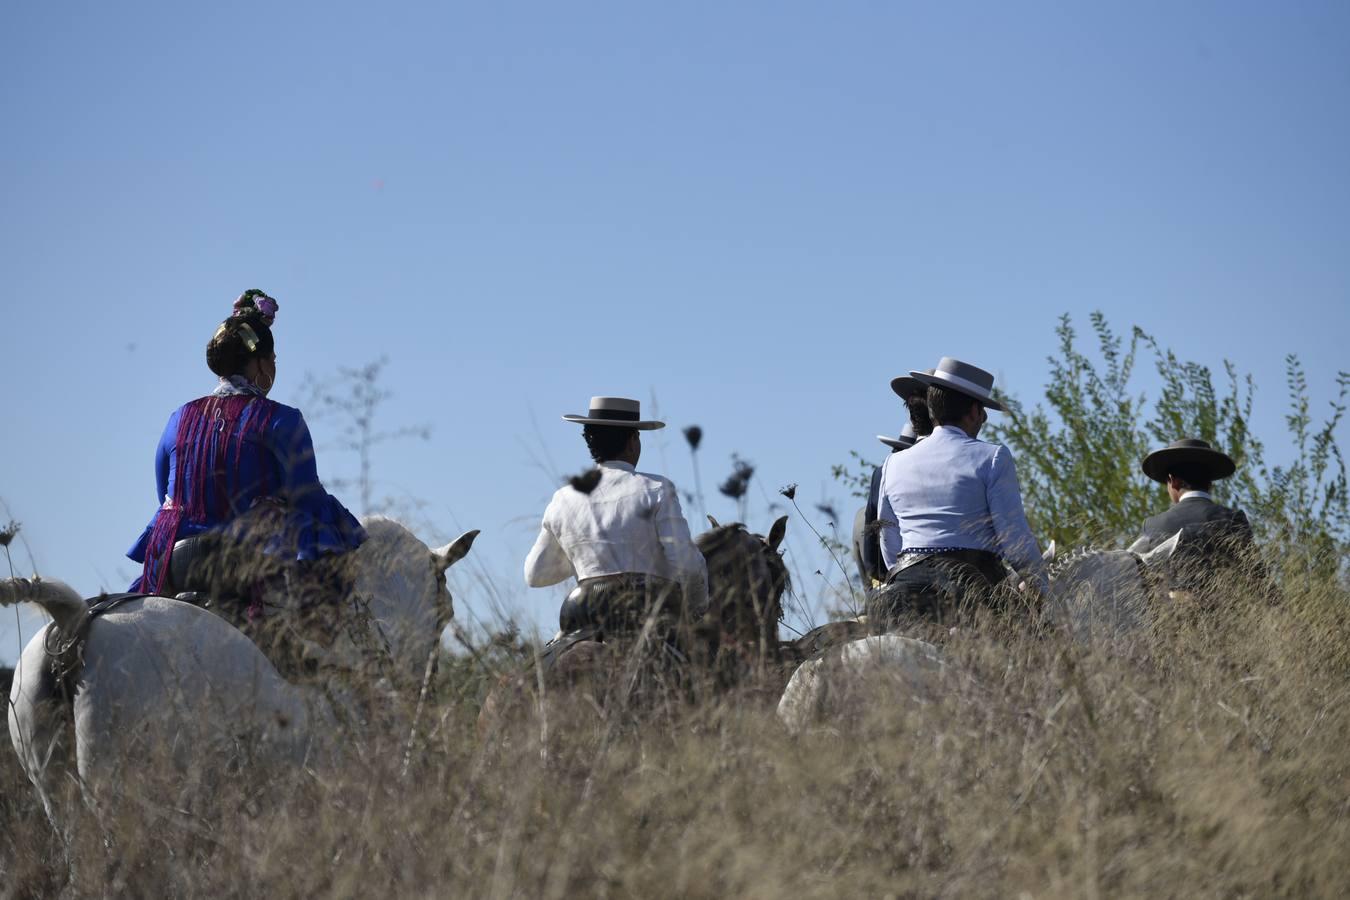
x: 396, y: 585
x: 745, y: 592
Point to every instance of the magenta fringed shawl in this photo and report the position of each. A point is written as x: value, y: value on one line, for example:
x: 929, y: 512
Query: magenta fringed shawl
x: 212, y: 435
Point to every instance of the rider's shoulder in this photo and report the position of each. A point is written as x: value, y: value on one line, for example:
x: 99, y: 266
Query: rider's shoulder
x: 656, y: 481
x: 283, y: 414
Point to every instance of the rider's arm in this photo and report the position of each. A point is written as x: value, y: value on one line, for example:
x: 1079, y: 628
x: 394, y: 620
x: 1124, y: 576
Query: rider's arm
x: 300, y: 471
x: 166, y: 444
x: 547, y: 563
x: 686, y: 562
x: 1017, y: 545
x: 888, y: 523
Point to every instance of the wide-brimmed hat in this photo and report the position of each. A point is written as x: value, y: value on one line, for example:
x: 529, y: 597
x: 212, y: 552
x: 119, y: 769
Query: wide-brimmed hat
x: 964, y: 379
x: 906, y: 439
x: 618, y: 411
x: 1189, y: 453
x: 907, y: 386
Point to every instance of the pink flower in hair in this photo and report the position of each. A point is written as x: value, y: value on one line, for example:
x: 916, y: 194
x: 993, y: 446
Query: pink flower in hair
x: 255, y: 300
x: 267, y: 306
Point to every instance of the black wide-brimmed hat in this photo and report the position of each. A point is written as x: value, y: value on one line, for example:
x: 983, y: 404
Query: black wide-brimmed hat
x: 1188, y: 452
x: 964, y: 379
x: 906, y: 439
x: 907, y: 386
x: 618, y: 411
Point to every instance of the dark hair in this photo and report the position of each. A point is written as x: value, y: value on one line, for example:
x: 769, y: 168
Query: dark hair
x: 917, y: 404
x: 1192, y: 477
x: 228, y: 353
x: 606, y: 441
x: 947, y: 407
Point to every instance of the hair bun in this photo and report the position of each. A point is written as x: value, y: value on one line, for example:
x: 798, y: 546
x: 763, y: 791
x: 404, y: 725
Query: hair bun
x: 255, y: 301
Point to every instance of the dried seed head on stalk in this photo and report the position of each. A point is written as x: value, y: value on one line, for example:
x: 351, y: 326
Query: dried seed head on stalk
x: 789, y: 491
x: 738, y: 482
x: 694, y: 435
x: 8, y: 533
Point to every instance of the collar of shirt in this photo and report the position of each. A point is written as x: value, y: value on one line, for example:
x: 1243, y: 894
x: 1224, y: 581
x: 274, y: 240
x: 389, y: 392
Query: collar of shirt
x: 1203, y: 495
x: 618, y: 464
x: 954, y: 431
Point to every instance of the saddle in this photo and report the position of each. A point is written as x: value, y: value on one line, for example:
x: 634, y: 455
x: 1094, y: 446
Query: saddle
x: 615, y: 608
x: 233, y: 579
x: 615, y: 605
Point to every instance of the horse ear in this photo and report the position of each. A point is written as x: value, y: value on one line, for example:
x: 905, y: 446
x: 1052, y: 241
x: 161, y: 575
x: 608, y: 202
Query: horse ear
x: 454, y: 551
x: 713, y: 522
x: 777, y: 533
x: 1163, y: 552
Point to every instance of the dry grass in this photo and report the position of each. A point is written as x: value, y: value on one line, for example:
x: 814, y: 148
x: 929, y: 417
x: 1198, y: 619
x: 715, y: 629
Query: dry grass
x: 1215, y: 764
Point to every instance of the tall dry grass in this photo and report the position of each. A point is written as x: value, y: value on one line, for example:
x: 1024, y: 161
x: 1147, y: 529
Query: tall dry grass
x: 1212, y: 763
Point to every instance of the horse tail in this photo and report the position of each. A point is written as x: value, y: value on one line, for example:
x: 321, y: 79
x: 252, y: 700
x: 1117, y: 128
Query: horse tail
x: 59, y: 599
x: 42, y: 721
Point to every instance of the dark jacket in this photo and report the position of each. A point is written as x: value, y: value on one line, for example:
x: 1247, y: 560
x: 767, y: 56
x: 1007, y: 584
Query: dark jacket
x: 866, y: 537
x: 1201, y: 517
x: 1214, y: 538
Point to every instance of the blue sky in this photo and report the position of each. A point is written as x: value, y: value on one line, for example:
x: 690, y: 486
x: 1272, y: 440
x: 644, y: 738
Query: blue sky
x: 754, y: 213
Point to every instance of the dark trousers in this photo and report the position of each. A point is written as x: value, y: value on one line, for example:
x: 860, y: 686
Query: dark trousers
x: 615, y: 605
x: 937, y: 588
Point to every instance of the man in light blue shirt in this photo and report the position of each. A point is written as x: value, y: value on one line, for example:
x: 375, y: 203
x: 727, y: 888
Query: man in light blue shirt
x: 950, y: 507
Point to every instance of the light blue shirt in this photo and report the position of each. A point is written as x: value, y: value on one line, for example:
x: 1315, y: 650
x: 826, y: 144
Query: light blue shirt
x: 951, y: 491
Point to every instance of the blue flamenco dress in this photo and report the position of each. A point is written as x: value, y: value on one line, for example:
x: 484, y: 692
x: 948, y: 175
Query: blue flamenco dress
x: 221, y: 454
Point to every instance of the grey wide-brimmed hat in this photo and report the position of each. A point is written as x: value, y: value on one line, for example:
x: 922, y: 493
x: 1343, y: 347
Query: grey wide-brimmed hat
x: 964, y: 379
x: 907, y: 386
x: 618, y: 411
x: 1189, y: 452
x: 906, y: 439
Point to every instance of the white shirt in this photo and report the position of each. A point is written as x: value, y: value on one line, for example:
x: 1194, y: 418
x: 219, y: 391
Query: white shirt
x: 630, y: 523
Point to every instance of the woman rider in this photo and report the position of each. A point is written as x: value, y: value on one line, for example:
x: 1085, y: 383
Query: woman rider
x: 232, y: 450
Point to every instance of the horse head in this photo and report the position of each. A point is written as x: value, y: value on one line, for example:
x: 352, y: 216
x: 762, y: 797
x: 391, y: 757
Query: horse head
x: 401, y: 584
x: 746, y: 581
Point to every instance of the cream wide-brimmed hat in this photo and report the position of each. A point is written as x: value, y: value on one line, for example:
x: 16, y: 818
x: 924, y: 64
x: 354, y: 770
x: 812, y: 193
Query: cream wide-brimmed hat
x: 617, y: 411
x: 964, y: 379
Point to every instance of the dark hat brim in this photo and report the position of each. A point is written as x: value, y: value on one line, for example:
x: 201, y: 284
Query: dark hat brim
x: 986, y: 402
x: 906, y: 387
x: 895, y: 444
x: 1217, y: 464
x: 645, y: 425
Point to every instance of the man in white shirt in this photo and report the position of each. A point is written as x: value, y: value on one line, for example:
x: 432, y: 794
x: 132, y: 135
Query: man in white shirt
x: 621, y: 535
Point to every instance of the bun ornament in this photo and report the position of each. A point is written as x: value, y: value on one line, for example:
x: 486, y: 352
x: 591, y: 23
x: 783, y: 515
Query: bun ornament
x: 254, y: 300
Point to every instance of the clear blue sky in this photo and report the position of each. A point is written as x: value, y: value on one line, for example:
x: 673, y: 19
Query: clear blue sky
x: 756, y: 213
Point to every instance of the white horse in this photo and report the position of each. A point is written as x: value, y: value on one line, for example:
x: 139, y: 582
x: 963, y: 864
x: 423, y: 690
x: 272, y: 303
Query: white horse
x: 1094, y: 595
x: 167, y: 684
x: 823, y: 686
x: 1105, y: 595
